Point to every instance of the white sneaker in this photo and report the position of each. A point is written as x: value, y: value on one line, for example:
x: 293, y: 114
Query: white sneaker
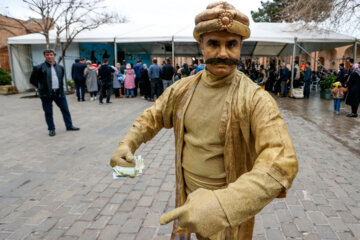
x: 91, y: 99
x: 95, y: 98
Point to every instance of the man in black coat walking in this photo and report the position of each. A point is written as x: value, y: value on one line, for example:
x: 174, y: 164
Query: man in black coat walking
x: 48, y: 79
x: 77, y: 74
x: 105, y: 72
x: 167, y: 74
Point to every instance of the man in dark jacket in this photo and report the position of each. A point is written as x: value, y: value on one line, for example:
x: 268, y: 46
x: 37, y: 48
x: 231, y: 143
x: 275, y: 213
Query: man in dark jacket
x: 48, y: 79
x: 77, y: 74
x: 167, y: 74
x: 307, y: 80
x: 284, y: 76
x: 138, y: 69
x: 341, y: 76
x: 105, y: 72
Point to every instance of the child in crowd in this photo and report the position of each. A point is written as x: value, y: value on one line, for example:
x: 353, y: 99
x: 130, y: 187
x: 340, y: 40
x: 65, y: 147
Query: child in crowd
x: 129, y: 81
x: 338, y: 93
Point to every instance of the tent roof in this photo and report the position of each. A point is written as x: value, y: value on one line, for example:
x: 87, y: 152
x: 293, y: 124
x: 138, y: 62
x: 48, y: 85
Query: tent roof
x: 267, y: 39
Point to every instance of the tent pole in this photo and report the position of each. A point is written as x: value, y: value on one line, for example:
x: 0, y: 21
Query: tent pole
x: 115, y: 52
x: 11, y: 65
x: 66, y: 86
x: 173, y: 54
x: 355, y: 50
x: 311, y: 56
x: 292, y: 65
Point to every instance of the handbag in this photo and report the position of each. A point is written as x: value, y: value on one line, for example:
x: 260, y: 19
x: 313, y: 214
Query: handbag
x: 121, y: 78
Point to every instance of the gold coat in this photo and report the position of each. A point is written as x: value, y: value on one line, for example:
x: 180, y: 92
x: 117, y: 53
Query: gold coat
x: 255, y: 138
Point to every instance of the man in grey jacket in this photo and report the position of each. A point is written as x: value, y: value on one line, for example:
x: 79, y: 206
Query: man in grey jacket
x: 155, y: 81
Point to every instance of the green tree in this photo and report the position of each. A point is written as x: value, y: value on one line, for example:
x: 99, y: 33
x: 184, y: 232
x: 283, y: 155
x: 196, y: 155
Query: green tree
x: 270, y: 11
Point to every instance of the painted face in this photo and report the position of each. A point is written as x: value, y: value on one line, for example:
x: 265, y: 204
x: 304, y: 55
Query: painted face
x: 221, y: 45
x: 49, y: 57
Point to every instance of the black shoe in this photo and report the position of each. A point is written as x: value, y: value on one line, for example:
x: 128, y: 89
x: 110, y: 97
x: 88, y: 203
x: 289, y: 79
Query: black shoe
x: 83, y: 100
x: 101, y: 103
x: 79, y: 100
x: 52, y: 133
x: 108, y: 102
x: 354, y: 115
x: 72, y: 128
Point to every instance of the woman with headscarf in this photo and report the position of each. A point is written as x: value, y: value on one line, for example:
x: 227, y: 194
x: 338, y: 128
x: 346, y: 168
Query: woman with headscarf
x: 185, y: 71
x: 145, y: 82
x: 90, y: 74
x: 353, y: 84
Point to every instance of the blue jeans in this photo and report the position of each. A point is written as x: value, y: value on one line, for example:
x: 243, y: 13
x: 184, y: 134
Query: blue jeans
x: 129, y: 91
x: 337, y: 102
x: 48, y: 109
x: 307, y: 89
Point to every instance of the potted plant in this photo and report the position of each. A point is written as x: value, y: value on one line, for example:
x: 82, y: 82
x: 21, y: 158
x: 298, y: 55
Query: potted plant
x: 326, y: 85
x: 5, y: 83
x: 71, y: 85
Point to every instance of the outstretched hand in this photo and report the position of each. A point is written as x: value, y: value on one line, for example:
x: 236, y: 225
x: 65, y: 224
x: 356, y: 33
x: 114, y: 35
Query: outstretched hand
x: 200, y: 214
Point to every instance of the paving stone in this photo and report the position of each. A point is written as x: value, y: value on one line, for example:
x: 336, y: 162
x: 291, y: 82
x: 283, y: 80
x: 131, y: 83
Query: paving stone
x: 346, y: 236
x: 110, y: 209
x: 119, y: 218
x: 347, y: 217
x: 100, y: 222
x: 297, y: 211
x: 90, y: 234
x: 140, y: 212
x: 303, y: 224
x: 152, y: 220
x: 126, y: 236
x: 109, y: 232
x: 311, y: 236
x: 283, y: 215
x: 270, y: 221
x: 337, y: 224
x: 131, y: 226
x: 326, y: 232
x: 290, y: 230
x: 317, y: 218
x: 127, y: 206
x: 77, y: 228
x: 134, y: 195
x: 328, y: 211
x: 146, y: 233
x: 145, y: 201
x: 90, y: 214
x: 355, y: 229
x: 274, y: 234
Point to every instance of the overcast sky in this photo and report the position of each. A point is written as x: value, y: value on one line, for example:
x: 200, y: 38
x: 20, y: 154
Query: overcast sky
x: 144, y: 11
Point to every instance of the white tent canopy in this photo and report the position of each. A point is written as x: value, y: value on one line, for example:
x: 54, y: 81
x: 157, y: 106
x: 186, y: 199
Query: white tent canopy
x: 267, y: 39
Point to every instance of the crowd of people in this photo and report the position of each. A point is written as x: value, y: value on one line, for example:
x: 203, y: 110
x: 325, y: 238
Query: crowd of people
x: 346, y: 82
x: 125, y: 80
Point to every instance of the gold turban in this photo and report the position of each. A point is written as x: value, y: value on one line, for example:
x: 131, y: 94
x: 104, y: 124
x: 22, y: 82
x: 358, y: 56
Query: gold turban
x: 221, y: 16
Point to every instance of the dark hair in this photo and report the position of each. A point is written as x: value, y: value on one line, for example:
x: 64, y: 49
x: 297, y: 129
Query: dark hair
x: 202, y: 61
x: 308, y: 63
x: 77, y: 60
x: 351, y: 60
x: 341, y: 65
x: 155, y: 61
x: 296, y: 62
x: 124, y: 61
x: 168, y: 61
x: 139, y: 61
x: 82, y: 59
x: 49, y: 51
x: 105, y: 60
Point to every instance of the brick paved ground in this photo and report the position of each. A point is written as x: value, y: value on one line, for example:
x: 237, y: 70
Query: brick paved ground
x: 61, y: 187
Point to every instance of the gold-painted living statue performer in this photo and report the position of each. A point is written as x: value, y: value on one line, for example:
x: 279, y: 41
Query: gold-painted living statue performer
x: 234, y: 154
